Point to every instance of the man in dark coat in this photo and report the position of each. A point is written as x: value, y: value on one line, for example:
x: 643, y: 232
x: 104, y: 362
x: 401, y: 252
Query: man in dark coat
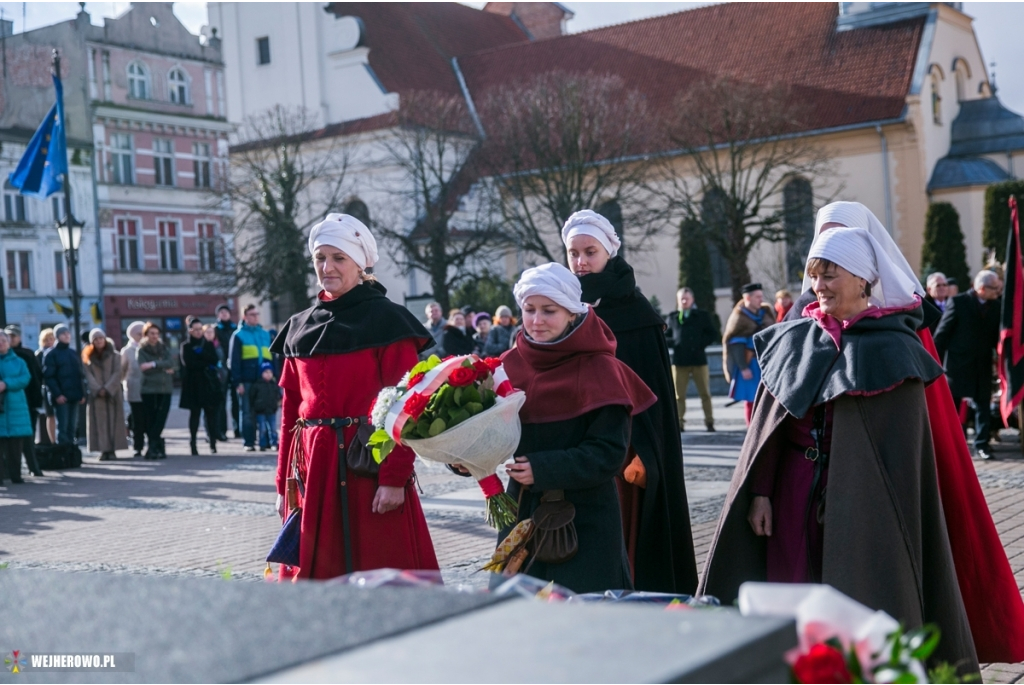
x: 225, y: 327
x: 62, y: 371
x: 33, y: 394
x: 965, y: 339
x: 689, y: 331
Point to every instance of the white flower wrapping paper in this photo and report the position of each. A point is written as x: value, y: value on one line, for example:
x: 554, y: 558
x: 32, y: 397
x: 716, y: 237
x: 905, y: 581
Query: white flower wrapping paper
x: 480, y: 444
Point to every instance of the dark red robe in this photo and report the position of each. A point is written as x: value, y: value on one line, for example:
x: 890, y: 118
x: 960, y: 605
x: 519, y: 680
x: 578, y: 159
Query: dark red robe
x: 993, y: 602
x: 337, y: 386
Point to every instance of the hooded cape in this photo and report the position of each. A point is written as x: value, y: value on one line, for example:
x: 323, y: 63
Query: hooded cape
x: 885, y: 538
x: 360, y: 319
x: 657, y: 517
x: 570, y: 377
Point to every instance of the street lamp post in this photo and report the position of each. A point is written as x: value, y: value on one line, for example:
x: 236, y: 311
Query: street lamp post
x: 70, y: 232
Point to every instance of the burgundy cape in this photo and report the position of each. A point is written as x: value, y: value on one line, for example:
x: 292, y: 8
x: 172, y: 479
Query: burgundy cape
x: 337, y: 385
x: 574, y: 375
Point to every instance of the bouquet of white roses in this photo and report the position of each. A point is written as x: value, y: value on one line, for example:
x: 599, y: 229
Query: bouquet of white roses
x: 462, y: 410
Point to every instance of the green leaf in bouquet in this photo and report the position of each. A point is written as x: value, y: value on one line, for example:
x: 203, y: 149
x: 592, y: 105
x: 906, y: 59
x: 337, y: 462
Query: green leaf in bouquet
x: 488, y: 397
x: 432, y: 361
x: 437, y: 427
x: 378, y: 437
x: 457, y: 397
x: 459, y: 416
x: 923, y: 641
x: 423, y: 428
x: 474, y: 408
x: 470, y: 394
x: 381, y: 453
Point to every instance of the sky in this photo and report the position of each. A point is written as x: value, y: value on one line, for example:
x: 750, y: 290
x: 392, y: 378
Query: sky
x: 997, y: 24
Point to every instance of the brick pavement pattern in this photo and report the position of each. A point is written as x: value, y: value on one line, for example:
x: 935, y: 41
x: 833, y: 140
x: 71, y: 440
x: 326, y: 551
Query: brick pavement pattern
x: 212, y: 515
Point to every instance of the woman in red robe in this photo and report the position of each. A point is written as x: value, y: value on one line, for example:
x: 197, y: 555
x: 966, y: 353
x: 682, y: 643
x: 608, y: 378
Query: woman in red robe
x: 338, y: 356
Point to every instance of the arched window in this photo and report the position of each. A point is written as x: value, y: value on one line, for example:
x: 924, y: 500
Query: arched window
x: 961, y: 72
x: 359, y: 210
x: 612, y: 211
x: 936, y: 80
x: 713, y: 217
x: 798, y: 222
x: 138, y: 81
x: 177, y: 81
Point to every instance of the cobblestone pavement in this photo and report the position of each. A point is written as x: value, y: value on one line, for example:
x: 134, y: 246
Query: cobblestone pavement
x: 212, y: 515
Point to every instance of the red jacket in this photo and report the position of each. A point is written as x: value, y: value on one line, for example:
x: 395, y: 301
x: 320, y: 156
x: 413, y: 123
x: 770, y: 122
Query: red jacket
x: 338, y: 386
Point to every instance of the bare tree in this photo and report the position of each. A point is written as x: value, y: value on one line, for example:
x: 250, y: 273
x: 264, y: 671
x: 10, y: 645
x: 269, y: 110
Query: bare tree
x: 285, y: 175
x: 435, y: 147
x: 560, y: 142
x: 740, y: 152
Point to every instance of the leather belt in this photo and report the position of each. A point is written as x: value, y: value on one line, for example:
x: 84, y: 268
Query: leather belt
x: 339, y: 425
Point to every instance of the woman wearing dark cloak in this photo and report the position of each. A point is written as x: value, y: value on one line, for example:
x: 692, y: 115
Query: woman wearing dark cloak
x: 656, y: 517
x: 836, y: 479
x: 338, y: 355
x: 986, y: 580
x: 576, y: 419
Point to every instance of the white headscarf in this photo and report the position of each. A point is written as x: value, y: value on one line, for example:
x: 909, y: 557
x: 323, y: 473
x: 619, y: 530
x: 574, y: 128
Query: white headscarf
x: 857, y: 251
x: 587, y: 222
x: 854, y: 214
x: 135, y: 325
x: 348, y: 234
x: 554, y: 282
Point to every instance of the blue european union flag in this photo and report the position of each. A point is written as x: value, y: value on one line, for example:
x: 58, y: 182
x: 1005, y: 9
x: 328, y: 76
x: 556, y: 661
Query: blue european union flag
x: 45, y: 161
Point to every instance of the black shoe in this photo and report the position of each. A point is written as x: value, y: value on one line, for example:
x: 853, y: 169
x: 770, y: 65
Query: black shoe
x: 986, y: 454
x: 195, y: 449
x: 238, y: 435
x: 37, y: 473
x: 223, y: 437
x: 213, y: 448
x: 137, y: 455
x: 250, y: 448
x: 18, y: 481
x: 711, y: 428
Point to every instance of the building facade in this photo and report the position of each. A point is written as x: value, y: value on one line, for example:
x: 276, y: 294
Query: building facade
x: 149, y: 101
x: 897, y: 94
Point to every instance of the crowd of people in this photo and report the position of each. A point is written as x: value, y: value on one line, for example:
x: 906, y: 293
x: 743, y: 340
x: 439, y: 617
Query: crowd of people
x: 852, y: 473
x: 225, y: 371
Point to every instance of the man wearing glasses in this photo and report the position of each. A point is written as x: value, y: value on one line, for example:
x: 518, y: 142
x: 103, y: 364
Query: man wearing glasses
x: 966, y: 340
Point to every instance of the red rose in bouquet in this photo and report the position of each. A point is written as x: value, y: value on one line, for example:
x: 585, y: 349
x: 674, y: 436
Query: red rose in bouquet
x: 492, y: 363
x: 414, y: 379
x: 462, y: 376
x: 822, y: 664
x: 416, y: 404
x: 482, y: 370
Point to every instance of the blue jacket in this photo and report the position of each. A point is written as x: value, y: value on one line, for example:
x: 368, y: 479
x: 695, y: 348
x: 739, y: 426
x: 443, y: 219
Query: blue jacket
x: 250, y: 346
x: 62, y: 373
x: 14, y: 420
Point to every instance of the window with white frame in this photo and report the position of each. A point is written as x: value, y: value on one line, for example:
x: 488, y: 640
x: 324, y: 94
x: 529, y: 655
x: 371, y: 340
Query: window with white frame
x: 138, y: 81
x: 19, y: 270
x: 178, y: 82
x: 14, y: 205
x: 163, y: 161
x: 128, y: 244
x: 222, y: 108
x: 167, y: 242
x: 122, y: 159
x: 207, y: 244
x: 201, y: 164
x: 59, y: 279
x: 57, y: 207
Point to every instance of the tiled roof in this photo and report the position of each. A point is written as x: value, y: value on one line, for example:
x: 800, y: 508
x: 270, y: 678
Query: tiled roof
x: 411, y: 43
x: 958, y: 172
x: 843, y: 78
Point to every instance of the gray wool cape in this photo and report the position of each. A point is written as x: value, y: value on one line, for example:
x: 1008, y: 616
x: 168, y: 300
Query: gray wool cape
x: 885, y: 540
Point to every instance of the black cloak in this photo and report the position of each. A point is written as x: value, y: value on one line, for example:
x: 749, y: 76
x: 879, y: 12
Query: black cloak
x: 664, y: 559
x: 361, y: 318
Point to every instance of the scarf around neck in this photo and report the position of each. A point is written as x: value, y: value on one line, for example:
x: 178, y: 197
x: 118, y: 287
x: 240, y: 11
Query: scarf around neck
x: 617, y: 300
x: 360, y: 319
x: 573, y: 376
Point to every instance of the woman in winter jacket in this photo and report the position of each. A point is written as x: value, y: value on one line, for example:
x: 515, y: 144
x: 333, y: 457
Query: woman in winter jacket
x: 499, y: 340
x: 15, y: 424
x: 132, y: 376
x: 200, y: 391
x: 105, y: 419
x: 157, y: 385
